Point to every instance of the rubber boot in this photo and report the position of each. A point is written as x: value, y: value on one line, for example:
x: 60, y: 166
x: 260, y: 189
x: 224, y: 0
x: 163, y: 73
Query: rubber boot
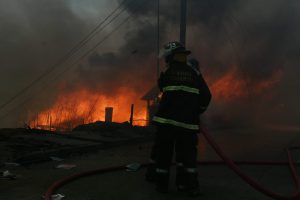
x: 150, y: 175
x: 162, y: 182
x: 192, y: 185
x: 180, y: 178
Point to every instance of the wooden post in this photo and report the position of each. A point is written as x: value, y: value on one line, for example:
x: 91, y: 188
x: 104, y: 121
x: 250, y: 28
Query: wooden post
x: 148, y: 112
x: 50, y: 122
x: 131, y: 114
x: 37, y: 120
x: 108, y: 114
x: 158, y: 37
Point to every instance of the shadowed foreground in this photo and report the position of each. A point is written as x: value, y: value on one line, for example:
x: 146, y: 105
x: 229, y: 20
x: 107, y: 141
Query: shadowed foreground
x: 216, y: 181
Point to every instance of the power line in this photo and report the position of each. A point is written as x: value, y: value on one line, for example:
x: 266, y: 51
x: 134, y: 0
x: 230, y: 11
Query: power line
x: 97, y: 44
x: 94, y: 47
x: 72, y: 65
x: 65, y: 57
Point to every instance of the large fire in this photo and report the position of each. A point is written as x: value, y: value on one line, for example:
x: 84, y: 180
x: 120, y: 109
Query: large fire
x: 84, y: 106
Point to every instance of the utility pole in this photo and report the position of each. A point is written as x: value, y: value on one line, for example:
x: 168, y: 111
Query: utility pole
x: 158, y: 39
x: 183, y: 23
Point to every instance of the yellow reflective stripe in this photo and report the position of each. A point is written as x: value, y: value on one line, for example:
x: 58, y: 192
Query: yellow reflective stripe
x: 191, y: 170
x: 182, y: 88
x: 176, y: 123
x: 162, y: 171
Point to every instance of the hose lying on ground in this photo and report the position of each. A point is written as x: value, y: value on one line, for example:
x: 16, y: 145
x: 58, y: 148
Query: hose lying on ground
x: 231, y: 164
x: 251, y: 181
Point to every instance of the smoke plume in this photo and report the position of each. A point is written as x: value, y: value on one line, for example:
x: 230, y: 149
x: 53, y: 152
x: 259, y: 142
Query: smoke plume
x: 256, y: 38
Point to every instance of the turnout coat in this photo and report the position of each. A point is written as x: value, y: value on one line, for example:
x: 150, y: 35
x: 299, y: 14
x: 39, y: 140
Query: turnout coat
x: 185, y: 96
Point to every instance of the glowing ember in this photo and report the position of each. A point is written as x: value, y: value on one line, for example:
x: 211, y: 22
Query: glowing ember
x: 84, y: 106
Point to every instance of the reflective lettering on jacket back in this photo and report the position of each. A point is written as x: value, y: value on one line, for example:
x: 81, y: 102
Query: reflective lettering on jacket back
x: 181, y: 76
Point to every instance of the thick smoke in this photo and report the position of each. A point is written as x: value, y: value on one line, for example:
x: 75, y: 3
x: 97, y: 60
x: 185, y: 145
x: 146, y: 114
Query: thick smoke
x: 34, y: 35
x: 134, y: 61
x: 255, y: 36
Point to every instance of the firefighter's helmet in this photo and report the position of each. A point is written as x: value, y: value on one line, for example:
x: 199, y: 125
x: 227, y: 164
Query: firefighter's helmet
x: 172, y: 48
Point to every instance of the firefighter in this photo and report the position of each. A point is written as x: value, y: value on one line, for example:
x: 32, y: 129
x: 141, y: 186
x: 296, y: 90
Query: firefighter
x: 185, y: 96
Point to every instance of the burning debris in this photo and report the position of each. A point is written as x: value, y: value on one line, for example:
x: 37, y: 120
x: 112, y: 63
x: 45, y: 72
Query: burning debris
x: 84, y: 106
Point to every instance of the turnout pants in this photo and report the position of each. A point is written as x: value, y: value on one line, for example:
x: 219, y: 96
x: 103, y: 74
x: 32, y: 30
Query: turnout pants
x: 184, y: 142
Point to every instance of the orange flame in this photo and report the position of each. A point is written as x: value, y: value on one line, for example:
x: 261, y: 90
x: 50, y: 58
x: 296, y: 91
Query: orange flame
x: 232, y: 86
x: 84, y: 106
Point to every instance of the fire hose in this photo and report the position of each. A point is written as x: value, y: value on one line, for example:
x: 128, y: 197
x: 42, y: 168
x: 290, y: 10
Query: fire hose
x: 230, y: 163
x: 251, y: 181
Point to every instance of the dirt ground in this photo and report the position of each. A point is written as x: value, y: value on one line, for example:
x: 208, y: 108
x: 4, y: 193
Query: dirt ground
x: 217, y: 181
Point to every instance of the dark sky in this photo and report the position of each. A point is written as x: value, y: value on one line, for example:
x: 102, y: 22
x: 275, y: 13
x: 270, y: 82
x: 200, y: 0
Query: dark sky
x: 258, y: 36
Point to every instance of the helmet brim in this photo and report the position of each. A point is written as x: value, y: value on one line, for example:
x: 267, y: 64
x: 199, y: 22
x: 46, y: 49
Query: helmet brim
x: 164, y: 53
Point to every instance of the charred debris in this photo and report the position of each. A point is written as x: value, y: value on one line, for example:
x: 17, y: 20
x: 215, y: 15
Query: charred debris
x: 27, y: 146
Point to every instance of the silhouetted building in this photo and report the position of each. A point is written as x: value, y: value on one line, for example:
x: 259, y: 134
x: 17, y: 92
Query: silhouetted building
x: 152, y: 97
